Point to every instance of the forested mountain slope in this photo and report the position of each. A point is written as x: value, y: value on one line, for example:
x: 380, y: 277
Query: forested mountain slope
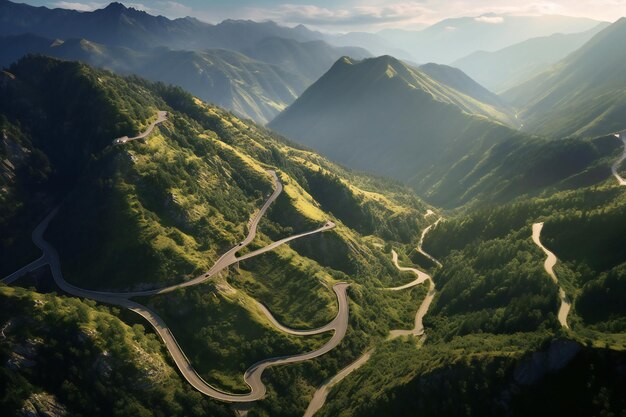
x: 162, y: 210
x: 116, y: 369
x: 461, y: 82
x: 495, y: 303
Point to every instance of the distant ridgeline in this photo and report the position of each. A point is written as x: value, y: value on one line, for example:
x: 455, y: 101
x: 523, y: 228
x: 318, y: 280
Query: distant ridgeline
x: 254, y: 69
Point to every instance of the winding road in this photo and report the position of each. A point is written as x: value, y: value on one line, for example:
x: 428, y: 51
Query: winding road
x: 418, y: 327
x: 320, y: 395
x: 421, y: 276
x: 224, y: 261
x: 551, y: 258
x: 253, y: 375
x: 549, y: 267
x: 616, y: 165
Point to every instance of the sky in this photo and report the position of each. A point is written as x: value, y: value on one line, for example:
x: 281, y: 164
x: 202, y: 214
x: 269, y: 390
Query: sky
x: 355, y: 15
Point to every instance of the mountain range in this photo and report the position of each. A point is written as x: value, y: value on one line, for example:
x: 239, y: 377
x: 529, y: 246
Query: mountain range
x: 581, y: 95
x: 397, y: 240
x: 253, y: 69
x: 158, y: 211
x: 452, y: 39
x: 118, y: 25
x: 255, y: 88
x: 510, y: 66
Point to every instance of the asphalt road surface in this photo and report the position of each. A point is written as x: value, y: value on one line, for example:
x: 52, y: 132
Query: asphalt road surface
x: 421, y: 276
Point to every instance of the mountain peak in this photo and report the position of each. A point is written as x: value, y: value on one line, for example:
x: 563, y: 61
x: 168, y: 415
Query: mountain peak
x: 115, y: 7
x: 387, y: 59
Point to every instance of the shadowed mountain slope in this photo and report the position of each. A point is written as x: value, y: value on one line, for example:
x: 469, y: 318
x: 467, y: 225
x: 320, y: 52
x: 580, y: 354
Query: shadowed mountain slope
x: 508, y: 67
x: 581, y: 95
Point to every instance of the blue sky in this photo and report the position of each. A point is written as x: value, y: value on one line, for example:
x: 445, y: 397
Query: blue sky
x: 352, y: 15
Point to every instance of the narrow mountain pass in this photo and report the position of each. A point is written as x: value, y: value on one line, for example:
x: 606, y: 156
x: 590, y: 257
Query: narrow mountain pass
x: 549, y: 267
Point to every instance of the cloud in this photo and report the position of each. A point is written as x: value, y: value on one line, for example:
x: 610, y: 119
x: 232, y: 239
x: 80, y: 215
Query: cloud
x: 492, y: 20
x: 346, y: 17
x: 83, y: 7
x: 175, y: 9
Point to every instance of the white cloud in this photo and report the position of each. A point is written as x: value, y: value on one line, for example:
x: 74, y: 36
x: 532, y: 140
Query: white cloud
x: 492, y: 20
x: 175, y: 9
x: 83, y: 7
x: 356, y: 16
x: 171, y: 9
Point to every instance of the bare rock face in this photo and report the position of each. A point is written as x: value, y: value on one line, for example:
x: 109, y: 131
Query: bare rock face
x: 24, y: 355
x: 42, y: 404
x: 535, y: 367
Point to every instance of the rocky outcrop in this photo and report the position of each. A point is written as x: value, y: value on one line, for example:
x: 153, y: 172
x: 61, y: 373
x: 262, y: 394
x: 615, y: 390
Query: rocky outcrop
x: 42, y: 404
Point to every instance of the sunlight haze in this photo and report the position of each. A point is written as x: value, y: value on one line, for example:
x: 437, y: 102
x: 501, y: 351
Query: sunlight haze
x: 361, y: 15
